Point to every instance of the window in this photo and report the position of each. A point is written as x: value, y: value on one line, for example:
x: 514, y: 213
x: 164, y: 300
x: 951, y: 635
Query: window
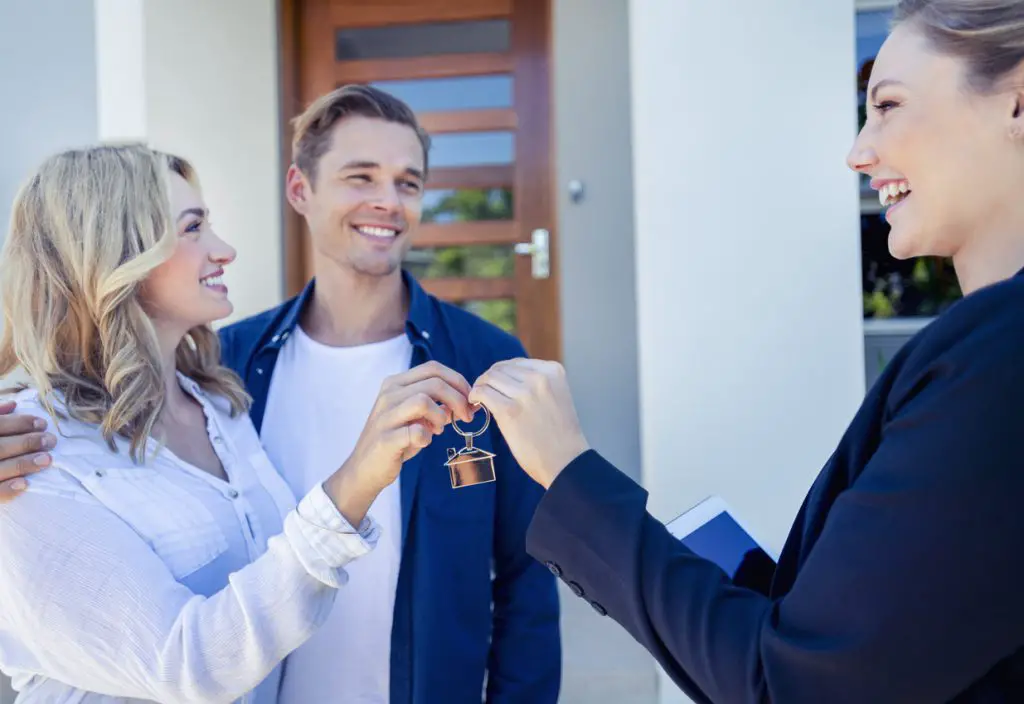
x: 915, y: 288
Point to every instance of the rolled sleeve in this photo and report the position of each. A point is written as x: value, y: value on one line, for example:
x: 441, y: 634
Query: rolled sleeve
x: 324, y: 541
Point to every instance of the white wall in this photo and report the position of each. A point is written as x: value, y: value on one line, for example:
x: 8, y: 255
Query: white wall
x: 121, y: 70
x: 211, y: 95
x: 747, y: 250
x: 48, y: 80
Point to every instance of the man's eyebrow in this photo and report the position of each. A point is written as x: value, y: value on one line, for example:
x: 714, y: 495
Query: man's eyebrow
x: 360, y: 165
x: 198, y: 212
x: 363, y: 164
x: 882, y: 84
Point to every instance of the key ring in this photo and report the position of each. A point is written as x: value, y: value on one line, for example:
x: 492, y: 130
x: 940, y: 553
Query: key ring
x: 476, y: 433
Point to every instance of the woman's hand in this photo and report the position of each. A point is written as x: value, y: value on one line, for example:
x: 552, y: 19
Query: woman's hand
x: 411, y: 409
x: 532, y: 405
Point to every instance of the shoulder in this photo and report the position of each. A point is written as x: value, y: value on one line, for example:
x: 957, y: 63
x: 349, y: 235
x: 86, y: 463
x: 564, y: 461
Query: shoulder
x: 81, y: 448
x: 239, y: 339
x: 977, y: 344
x: 988, y: 323
x: 254, y: 326
x: 484, y: 341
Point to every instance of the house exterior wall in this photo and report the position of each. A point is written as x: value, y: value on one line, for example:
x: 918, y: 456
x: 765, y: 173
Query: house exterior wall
x: 747, y: 251
x: 212, y: 96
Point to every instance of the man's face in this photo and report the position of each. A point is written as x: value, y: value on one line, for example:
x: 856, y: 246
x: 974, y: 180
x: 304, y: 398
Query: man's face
x: 366, y: 197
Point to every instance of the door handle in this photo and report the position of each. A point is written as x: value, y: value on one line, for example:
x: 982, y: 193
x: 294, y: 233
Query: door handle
x: 538, y: 249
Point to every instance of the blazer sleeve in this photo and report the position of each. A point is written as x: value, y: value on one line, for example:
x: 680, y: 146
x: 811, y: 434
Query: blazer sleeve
x: 911, y: 593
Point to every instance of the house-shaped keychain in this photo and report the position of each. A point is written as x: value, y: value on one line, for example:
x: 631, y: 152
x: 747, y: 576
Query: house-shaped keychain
x: 470, y: 465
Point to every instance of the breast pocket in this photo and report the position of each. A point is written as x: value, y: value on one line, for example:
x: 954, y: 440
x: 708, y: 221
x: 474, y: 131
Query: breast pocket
x: 171, y: 515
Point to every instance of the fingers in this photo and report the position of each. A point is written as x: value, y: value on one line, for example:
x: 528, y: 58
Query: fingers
x: 15, y: 447
x: 500, y: 405
x: 18, y: 424
x: 418, y: 408
x: 442, y: 392
x: 432, y: 369
x: 10, y: 490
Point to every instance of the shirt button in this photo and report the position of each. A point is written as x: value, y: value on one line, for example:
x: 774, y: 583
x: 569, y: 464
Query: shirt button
x: 554, y: 569
x: 576, y: 589
x: 598, y: 608
x: 100, y: 473
x: 232, y: 493
x: 275, y: 338
x: 259, y: 370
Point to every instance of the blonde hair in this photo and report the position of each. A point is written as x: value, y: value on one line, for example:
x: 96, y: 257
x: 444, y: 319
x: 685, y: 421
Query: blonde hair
x: 86, y: 230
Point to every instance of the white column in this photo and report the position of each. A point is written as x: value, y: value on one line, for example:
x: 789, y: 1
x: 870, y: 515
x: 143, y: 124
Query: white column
x: 211, y: 86
x: 747, y: 251
x: 120, y: 68
x: 48, y: 80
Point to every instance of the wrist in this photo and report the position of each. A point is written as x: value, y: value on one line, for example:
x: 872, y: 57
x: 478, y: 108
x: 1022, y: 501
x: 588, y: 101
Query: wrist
x: 352, y: 493
x: 567, y: 457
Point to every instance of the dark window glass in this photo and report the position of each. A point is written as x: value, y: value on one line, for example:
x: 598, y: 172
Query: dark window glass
x: 409, y: 41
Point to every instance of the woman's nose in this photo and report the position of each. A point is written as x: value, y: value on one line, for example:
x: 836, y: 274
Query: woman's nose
x: 862, y: 157
x: 222, y: 253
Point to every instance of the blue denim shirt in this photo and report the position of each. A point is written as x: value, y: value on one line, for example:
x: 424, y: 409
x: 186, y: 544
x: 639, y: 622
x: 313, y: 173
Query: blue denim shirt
x: 445, y: 636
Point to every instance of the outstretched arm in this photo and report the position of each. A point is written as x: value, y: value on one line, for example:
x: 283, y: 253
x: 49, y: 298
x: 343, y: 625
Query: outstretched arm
x: 100, y: 611
x: 911, y: 592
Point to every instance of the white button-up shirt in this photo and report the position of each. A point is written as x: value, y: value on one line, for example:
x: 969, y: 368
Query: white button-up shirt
x: 161, y: 582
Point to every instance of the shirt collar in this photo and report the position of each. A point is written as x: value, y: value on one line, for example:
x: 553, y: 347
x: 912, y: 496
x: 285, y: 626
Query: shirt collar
x: 418, y: 326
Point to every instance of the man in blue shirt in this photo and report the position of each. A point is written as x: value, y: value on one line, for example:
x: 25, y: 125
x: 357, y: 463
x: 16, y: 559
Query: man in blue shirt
x: 416, y: 620
x: 449, y: 607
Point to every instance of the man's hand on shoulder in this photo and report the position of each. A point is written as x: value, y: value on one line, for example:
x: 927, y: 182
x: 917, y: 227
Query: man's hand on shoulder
x: 24, y: 446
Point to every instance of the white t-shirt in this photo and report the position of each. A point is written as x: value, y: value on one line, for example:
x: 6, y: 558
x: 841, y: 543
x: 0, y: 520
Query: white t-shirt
x: 319, y: 400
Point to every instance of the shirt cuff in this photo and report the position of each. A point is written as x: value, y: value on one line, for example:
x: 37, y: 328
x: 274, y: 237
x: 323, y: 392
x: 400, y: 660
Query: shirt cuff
x: 324, y: 541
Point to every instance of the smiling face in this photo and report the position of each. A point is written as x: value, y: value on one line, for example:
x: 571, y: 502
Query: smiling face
x: 938, y: 151
x: 365, y: 198
x: 187, y: 290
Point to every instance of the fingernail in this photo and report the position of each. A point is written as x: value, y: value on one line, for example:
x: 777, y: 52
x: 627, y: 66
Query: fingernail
x: 39, y: 424
x: 18, y: 485
x: 41, y: 460
x: 49, y: 441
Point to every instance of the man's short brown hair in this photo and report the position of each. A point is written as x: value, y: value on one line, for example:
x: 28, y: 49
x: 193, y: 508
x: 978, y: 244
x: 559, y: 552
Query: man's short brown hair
x: 312, y: 137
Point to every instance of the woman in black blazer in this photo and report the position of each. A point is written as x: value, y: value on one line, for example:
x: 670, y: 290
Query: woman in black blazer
x: 903, y: 576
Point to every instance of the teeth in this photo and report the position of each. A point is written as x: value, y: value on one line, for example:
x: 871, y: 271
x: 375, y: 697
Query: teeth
x: 891, y: 193
x: 212, y: 281
x: 377, y: 231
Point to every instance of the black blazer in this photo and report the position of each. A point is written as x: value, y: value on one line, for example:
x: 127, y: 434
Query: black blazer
x: 902, y: 579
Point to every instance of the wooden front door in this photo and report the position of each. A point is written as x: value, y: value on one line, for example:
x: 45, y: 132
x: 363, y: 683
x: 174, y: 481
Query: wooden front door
x: 476, y: 72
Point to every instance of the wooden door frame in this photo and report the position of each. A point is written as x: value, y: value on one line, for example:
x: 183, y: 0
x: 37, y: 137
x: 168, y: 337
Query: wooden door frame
x: 293, y: 243
x: 540, y: 183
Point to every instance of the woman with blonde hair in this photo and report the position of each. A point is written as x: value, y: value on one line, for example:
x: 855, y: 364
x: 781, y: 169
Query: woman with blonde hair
x: 160, y: 557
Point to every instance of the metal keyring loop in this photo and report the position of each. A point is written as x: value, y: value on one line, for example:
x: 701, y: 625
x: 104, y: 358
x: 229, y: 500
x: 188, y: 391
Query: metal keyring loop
x: 477, y: 433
